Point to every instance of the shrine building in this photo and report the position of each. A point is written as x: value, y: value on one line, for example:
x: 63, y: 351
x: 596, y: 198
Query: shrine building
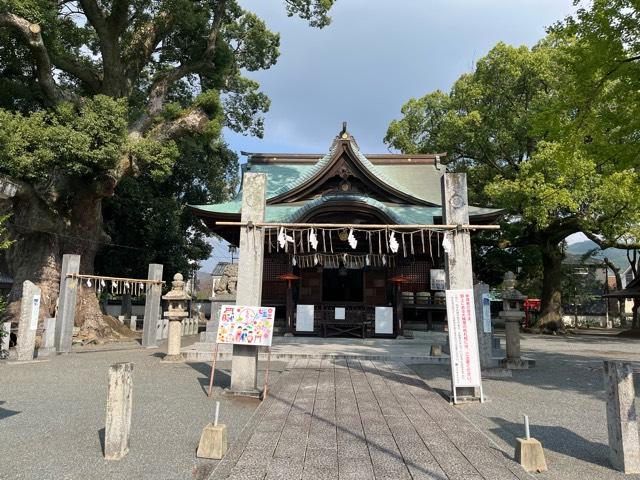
x: 330, y: 277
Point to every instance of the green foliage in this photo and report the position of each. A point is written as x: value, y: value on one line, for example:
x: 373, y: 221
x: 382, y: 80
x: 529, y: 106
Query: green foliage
x: 76, y: 140
x: 149, y: 213
x: 4, y: 241
x: 548, y: 134
x: 316, y: 11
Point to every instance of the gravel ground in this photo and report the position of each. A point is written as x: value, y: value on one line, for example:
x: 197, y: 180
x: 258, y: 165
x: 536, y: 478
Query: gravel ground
x: 52, y: 417
x: 563, y: 396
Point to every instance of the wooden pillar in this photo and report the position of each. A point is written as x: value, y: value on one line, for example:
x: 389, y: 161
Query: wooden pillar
x: 244, y: 363
x: 289, y: 307
x: 458, y: 268
x: 399, y: 310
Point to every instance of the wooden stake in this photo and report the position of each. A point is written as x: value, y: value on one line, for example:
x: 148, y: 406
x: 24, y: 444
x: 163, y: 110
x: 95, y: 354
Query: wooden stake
x: 265, y: 391
x: 213, y: 369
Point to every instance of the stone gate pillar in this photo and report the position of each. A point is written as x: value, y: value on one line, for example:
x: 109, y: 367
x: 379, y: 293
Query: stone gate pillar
x: 66, y: 303
x: 244, y: 364
x: 455, y: 211
x: 152, y: 307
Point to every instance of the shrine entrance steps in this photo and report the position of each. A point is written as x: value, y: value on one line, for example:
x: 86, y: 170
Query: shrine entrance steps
x: 407, y: 351
x: 358, y: 419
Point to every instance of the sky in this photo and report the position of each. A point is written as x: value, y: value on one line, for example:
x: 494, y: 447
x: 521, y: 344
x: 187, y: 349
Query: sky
x: 372, y: 58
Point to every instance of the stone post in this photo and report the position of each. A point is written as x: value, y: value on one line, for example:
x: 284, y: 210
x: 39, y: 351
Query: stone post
x: 152, y: 307
x: 177, y: 299
x: 6, y: 337
x: 244, y: 363
x: 622, y: 421
x: 125, y: 306
x: 66, y: 303
x: 483, y: 324
x: 133, y: 323
x: 512, y: 334
x: 48, y: 337
x: 28, y: 323
x: 458, y: 268
x: 119, y: 406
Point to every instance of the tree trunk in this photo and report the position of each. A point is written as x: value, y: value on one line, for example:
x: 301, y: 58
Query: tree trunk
x: 551, y: 301
x: 36, y: 255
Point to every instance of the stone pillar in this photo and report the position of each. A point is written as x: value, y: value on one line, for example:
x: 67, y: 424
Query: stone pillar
x: 512, y: 334
x: 67, y: 303
x: 48, y: 337
x: 133, y: 323
x: 244, y: 363
x: 483, y: 324
x: 125, y: 307
x: 152, y: 307
x: 458, y: 268
x: 119, y: 406
x: 6, y: 337
x: 165, y: 328
x: 28, y: 323
x: 622, y: 421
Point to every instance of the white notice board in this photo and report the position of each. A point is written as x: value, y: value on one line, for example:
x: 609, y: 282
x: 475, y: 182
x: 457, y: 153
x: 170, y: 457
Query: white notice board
x: 35, y: 310
x: 463, y: 339
x: 486, y: 313
x: 384, y: 320
x: 340, y: 314
x: 438, y: 279
x: 304, y: 318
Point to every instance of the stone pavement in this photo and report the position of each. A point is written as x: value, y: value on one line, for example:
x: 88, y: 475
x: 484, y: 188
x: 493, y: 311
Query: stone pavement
x: 359, y: 419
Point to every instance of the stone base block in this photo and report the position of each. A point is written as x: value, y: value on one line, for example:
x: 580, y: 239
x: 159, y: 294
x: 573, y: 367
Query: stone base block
x: 213, y: 442
x: 173, y: 358
x: 243, y: 393
x: 521, y: 363
x: 436, y: 350
x: 45, y: 352
x: 530, y: 455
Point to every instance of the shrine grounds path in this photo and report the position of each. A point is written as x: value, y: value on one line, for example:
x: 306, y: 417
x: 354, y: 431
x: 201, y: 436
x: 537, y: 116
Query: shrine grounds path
x: 360, y: 420
x: 389, y: 424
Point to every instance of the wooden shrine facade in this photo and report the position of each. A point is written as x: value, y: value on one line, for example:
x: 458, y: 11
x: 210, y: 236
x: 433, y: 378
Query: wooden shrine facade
x: 351, y: 232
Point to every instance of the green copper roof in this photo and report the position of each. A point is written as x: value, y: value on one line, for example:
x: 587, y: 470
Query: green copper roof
x: 417, y: 181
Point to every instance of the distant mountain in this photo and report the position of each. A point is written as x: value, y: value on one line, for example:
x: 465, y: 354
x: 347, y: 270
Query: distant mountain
x: 617, y: 256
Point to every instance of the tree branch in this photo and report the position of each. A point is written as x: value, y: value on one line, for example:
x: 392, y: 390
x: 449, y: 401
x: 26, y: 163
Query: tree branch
x: 82, y: 72
x: 118, y: 17
x: 96, y: 17
x: 194, y: 122
x: 147, y: 37
x: 30, y: 33
x: 163, y: 81
x: 604, y: 243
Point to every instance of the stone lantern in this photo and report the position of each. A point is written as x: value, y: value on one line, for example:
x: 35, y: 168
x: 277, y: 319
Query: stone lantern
x: 512, y: 313
x: 177, y: 299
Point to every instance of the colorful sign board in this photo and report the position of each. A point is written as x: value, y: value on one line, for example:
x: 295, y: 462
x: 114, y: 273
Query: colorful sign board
x: 463, y: 339
x: 241, y: 325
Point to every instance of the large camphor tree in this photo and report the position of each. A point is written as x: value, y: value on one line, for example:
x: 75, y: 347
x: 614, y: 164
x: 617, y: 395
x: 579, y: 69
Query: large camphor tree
x: 95, y: 92
x: 549, y: 134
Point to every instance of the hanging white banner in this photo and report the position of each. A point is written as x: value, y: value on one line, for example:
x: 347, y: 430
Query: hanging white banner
x: 463, y: 338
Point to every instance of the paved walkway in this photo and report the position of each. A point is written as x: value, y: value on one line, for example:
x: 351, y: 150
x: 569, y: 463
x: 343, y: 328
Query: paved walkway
x: 356, y: 419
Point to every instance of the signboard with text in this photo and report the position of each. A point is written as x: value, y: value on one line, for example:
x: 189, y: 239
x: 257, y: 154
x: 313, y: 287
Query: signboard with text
x: 463, y: 339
